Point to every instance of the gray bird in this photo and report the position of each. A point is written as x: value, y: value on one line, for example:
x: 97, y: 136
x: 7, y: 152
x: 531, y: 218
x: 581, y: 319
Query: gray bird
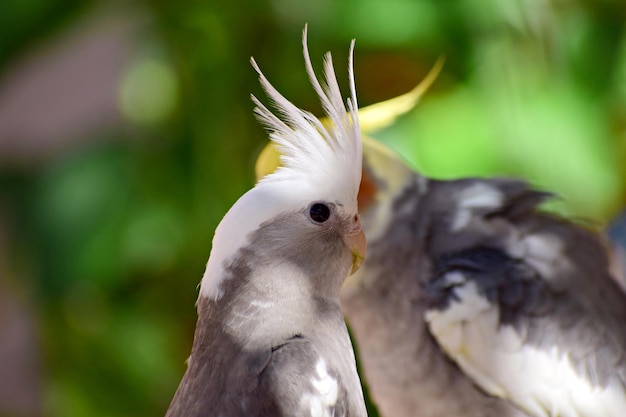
x: 474, y: 303
x: 270, y: 338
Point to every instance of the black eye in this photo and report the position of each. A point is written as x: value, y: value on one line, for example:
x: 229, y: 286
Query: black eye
x: 319, y: 212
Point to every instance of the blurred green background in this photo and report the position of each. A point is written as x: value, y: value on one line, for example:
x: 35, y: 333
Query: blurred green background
x: 126, y: 133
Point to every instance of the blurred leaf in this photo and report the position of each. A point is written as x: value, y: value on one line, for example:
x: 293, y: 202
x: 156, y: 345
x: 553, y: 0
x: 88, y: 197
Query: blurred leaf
x: 387, y: 24
x: 448, y: 136
x: 23, y: 21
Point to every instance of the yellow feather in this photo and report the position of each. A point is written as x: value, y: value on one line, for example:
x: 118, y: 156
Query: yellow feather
x: 267, y: 162
x: 383, y: 114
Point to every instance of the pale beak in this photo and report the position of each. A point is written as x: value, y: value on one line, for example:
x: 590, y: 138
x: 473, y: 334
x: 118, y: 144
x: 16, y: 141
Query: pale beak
x: 358, y: 247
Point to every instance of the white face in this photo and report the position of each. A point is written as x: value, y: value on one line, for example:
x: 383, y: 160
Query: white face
x: 265, y: 203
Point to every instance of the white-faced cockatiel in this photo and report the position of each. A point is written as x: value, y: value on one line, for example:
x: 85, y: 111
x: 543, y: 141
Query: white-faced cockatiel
x: 270, y: 338
x: 474, y: 303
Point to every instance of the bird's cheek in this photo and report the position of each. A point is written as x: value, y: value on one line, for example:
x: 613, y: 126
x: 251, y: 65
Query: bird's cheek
x: 358, y: 247
x: 367, y: 191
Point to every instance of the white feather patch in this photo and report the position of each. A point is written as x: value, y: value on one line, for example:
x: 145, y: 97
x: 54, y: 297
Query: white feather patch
x: 477, y: 197
x: 542, y: 382
x: 545, y: 253
x: 322, y: 400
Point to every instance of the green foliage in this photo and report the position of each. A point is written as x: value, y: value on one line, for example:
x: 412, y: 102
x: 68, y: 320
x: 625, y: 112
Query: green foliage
x: 115, y: 233
x: 24, y: 21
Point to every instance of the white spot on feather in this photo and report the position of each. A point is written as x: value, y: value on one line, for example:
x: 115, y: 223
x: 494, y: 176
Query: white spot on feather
x: 479, y: 196
x: 321, y: 401
x: 545, y: 253
x: 544, y: 383
x: 261, y: 304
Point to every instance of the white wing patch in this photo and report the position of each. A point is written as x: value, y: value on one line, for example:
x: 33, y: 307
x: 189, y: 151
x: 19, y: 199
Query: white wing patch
x: 541, y: 382
x: 322, y: 400
x: 545, y: 253
x: 478, y: 196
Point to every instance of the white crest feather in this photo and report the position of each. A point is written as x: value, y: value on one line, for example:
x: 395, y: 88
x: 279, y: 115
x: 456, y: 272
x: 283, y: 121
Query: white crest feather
x: 326, y: 157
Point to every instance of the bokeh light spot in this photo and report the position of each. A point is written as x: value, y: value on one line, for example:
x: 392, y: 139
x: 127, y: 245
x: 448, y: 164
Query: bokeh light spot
x: 149, y: 91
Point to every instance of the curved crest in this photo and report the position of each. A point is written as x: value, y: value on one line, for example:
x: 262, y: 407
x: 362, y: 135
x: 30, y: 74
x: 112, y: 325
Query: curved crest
x: 327, y: 157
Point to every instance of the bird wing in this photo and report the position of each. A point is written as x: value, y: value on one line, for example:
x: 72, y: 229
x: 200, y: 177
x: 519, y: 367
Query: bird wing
x: 524, y: 304
x: 305, y: 381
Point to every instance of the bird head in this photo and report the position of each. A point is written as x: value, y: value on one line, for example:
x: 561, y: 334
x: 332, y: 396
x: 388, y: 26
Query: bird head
x: 384, y: 173
x: 305, y: 211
